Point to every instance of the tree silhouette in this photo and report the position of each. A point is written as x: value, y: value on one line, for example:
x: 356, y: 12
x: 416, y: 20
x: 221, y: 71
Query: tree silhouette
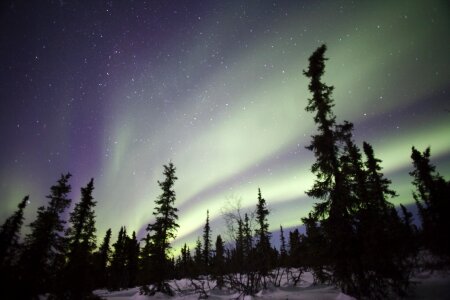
x: 146, y: 269
x: 207, y: 245
x: 432, y: 198
x: 352, y: 234
x: 198, y: 258
x: 102, y: 258
x: 118, y: 273
x: 81, y: 244
x: 44, y: 248
x: 333, y: 211
x: 9, y: 235
x: 263, y: 248
x: 132, y: 253
x: 185, y: 264
x: 283, y: 261
x: 9, y: 248
x: 218, y: 265
x: 163, y: 230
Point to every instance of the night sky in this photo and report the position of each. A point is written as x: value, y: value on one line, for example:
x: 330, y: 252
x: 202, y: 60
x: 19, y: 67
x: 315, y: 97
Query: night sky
x: 115, y: 89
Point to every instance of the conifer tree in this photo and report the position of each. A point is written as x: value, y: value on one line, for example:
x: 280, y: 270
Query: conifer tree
x: 294, y: 248
x: 283, y: 250
x: 432, y: 196
x: 263, y: 248
x: 315, y: 251
x: 198, y: 257
x: 81, y: 240
x: 408, y: 233
x: 247, y: 246
x: 163, y: 230
x: 378, y: 185
x: 132, y: 250
x: 9, y: 248
x: 352, y: 231
x: 44, y: 248
x: 118, y: 274
x: 380, y: 235
x: 185, y: 265
x: 333, y: 211
x: 219, y: 262
x: 9, y: 235
x: 102, y: 259
x: 237, y: 255
x: 207, y: 244
x: 249, y: 266
x: 146, y: 268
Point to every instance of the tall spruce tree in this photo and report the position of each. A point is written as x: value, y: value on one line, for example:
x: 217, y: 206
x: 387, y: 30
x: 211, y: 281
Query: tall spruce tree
x: 9, y: 235
x: 237, y: 255
x: 263, y: 248
x: 247, y: 245
x: 132, y: 253
x: 432, y: 196
x: 333, y: 212
x: 283, y: 260
x: 102, y: 259
x: 118, y: 274
x: 185, y: 264
x: 218, y: 264
x: 383, y: 261
x: 44, y: 248
x: 81, y: 244
x: 9, y: 249
x: 146, y: 268
x: 352, y: 232
x: 198, y: 258
x: 163, y: 230
x: 207, y: 245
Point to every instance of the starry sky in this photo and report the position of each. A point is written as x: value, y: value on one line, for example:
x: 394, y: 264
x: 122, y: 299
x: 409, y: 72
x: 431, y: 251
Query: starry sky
x: 115, y: 89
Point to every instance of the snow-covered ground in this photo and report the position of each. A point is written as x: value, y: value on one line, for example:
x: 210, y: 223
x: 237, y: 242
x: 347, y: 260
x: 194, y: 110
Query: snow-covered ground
x: 426, y: 285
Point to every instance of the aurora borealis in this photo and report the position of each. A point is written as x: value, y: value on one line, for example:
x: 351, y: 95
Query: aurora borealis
x: 115, y: 89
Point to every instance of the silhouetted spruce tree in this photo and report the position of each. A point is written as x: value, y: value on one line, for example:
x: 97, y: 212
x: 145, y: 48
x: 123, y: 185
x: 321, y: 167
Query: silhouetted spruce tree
x: 333, y: 212
x: 185, y: 264
x: 207, y: 245
x: 283, y: 260
x: 352, y: 168
x: 378, y: 185
x: 163, y: 231
x: 314, y: 253
x: 294, y: 249
x: 9, y: 249
x: 409, y: 234
x: 44, y: 248
x: 218, y: 264
x: 9, y: 236
x: 432, y: 196
x: 132, y: 259
x: 383, y: 263
x: 118, y: 274
x: 198, y: 257
x: 78, y: 282
x: 407, y: 217
x: 351, y: 232
x: 146, y: 268
x: 263, y: 247
x: 362, y: 210
x: 250, y: 268
x: 237, y: 258
x: 247, y: 243
x: 102, y: 258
